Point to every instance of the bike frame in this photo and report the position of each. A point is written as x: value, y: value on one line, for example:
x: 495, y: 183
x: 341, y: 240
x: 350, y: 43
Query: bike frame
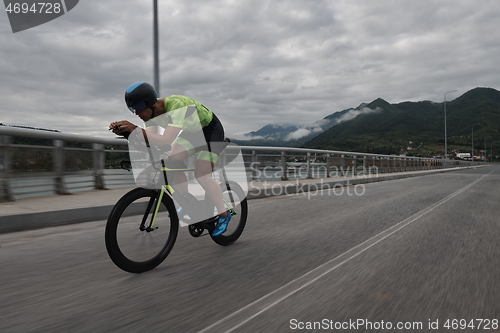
x: 170, y: 190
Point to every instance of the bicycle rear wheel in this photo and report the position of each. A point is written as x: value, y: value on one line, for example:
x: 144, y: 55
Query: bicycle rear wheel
x: 133, y: 243
x: 235, y: 227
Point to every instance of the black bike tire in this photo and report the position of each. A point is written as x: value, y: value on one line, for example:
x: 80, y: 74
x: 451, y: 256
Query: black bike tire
x: 224, y: 239
x: 111, y: 240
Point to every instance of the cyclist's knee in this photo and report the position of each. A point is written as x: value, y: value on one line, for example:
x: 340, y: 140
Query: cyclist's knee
x: 178, y: 152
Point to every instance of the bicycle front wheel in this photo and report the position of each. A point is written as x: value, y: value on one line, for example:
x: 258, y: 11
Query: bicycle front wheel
x: 134, y: 240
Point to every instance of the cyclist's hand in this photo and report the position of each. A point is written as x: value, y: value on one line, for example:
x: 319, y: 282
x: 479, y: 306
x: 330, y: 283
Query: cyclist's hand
x: 123, y: 126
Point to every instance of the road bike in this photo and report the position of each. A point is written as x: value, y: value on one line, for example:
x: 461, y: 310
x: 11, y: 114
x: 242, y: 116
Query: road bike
x: 142, y: 227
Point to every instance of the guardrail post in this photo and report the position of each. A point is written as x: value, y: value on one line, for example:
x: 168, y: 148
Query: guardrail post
x: 254, y: 165
x: 284, y: 167
x: 342, y: 165
x: 220, y: 173
x: 308, y: 163
x: 98, y: 156
x: 6, y: 191
x: 328, y: 165
x: 364, y: 165
x: 354, y: 165
x: 59, y: 167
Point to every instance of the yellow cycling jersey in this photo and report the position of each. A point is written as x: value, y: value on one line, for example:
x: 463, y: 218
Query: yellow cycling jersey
x: 177, y: 114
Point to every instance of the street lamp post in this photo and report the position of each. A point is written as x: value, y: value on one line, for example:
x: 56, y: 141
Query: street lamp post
x: 472, y: 156
x: 491, y: 152
x: 485, y: 155
x: 445, y: 133
x: 155, y: 47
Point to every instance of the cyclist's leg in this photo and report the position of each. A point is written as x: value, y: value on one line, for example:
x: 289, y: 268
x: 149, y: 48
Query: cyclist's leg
x: 205, y: 160
x: 203, y: 174
x: 181, y: 150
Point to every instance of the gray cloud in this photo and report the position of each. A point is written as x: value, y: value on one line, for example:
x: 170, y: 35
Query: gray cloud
x: 252, y: 62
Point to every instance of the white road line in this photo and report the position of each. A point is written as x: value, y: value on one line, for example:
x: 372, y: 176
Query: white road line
x: 237, y: 319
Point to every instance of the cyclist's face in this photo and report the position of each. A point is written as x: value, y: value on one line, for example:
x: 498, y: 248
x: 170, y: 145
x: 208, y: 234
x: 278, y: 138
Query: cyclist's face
x: 145, y: 114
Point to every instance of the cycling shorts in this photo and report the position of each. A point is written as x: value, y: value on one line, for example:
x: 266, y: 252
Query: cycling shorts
x: 210, y: 148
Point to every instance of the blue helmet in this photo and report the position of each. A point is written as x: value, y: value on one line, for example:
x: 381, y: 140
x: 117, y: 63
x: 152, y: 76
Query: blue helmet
x: 140, y: 96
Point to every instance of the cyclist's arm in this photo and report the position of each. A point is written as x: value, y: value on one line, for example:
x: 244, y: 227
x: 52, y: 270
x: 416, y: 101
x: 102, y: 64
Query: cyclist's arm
x: 158, y: 140
x: 166, y: 138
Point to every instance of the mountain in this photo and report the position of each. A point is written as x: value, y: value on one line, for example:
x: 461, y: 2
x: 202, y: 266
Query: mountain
x: 413, y: 128
x: 270, y: 130
x: 417, y: 128
x: 293, y: 136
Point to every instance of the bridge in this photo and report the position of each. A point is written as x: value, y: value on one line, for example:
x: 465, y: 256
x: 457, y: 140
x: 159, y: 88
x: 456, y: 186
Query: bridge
x: 332, y: 251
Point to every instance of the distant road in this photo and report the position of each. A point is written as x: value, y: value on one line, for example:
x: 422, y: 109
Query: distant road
x: 413, y: 253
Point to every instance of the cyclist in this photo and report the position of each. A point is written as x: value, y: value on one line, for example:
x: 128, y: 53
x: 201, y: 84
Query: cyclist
x: 142, y: 100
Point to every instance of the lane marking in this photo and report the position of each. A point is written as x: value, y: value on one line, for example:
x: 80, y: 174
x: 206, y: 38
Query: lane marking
x: 242, y: 316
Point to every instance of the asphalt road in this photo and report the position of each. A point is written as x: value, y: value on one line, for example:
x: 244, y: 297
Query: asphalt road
x: 417, y: 253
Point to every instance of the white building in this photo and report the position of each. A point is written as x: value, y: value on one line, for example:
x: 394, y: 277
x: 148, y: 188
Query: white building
x: 463, y: 155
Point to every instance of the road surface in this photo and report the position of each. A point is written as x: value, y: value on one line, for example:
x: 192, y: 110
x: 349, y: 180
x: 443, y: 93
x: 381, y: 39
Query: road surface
x: 418, y: 254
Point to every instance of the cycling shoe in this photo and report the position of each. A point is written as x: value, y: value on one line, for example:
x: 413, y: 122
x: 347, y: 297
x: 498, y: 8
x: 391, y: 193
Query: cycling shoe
x: 221, y: 225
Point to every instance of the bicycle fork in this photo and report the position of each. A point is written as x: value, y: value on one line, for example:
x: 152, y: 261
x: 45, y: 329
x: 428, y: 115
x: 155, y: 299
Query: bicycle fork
x: 156, y: 202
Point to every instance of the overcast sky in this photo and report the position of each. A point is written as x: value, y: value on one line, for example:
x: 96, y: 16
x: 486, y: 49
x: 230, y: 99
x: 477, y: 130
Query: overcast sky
x: 253, y: 62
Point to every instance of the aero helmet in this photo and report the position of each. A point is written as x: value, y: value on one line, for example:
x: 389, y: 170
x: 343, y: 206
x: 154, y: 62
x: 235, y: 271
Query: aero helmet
x: 140, y: 96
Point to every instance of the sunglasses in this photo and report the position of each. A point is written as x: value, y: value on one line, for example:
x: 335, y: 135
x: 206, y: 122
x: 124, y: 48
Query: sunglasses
x: 138, y: 108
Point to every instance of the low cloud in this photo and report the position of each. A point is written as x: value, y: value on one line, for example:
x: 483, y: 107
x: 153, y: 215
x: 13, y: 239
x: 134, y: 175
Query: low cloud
x: 316, y: 127
x: 355, y: 112
x: 300, y: 133
x: 324, y: 124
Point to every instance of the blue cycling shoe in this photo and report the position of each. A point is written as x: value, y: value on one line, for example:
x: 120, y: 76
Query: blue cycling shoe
x: 221, y: 225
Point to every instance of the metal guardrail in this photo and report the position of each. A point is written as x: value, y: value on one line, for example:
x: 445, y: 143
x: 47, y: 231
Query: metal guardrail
x: 69, y: 169
x: 343, y: 163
